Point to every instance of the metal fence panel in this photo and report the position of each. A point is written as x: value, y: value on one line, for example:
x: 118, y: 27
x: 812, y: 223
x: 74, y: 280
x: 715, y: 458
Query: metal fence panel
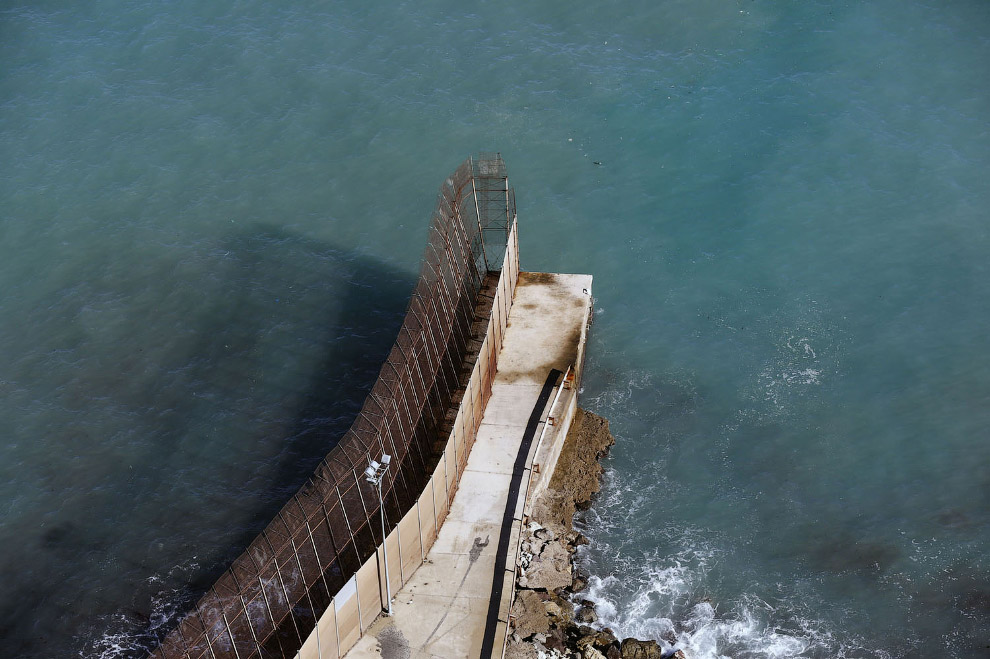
x: 268, y: 601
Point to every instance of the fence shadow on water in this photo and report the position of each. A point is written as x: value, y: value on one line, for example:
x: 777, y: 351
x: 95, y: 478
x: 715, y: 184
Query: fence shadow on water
x: 295, y: 347
x: 238, y: 364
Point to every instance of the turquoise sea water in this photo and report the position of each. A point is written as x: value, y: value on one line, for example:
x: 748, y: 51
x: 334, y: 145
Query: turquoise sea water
x: 211, y: 216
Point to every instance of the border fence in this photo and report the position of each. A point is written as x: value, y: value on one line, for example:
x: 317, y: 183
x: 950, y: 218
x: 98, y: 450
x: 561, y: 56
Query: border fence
x: 313, y: 579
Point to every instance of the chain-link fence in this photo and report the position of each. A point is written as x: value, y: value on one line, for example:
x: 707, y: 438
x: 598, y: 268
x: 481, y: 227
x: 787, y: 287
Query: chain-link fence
x: 268, y: 601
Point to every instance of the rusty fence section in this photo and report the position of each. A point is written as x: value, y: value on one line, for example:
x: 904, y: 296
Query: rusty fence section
x: 358, y: 603
x: 431, y: 388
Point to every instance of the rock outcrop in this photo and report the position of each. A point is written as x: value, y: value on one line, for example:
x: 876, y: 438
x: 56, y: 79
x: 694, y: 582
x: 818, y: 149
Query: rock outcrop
x: 548, y: 620
x: 577, y: 476
x: 546, y: 560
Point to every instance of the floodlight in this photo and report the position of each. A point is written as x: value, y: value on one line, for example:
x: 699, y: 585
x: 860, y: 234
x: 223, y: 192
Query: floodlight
x: 374, y: 473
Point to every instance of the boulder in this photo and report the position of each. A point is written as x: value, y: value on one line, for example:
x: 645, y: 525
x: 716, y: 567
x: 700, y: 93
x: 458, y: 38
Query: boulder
x: 602, y: 639
x: 679, y: 654
x: 580, y: 580
x: 586, y: 614
x: 550, y: 569
x: 605, y: 638
x: 560, y: 609
x: 561, y: 635
x: 591, y: 653
x: 530, y: 614
x: 634, y: 649
x: 519, y: 650
x: 554, y: 643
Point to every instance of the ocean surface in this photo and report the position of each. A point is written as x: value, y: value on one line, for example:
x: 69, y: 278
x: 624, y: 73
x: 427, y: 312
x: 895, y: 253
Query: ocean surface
x: 211, y: 218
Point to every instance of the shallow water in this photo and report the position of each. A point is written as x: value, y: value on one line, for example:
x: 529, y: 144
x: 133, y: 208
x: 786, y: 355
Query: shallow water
x: 212, y: 219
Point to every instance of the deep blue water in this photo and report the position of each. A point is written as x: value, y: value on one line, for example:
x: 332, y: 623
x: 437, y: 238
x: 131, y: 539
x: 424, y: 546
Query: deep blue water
x: 211, y: 216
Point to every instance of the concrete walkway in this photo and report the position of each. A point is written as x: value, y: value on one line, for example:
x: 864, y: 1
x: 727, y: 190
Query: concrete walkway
x: 442, y: 610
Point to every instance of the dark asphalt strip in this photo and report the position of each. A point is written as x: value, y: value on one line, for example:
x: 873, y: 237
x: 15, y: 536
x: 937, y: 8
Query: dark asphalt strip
x: 518, y: 469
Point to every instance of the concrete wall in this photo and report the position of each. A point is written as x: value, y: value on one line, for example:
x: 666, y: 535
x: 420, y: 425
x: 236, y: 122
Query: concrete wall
x: 360, y: 601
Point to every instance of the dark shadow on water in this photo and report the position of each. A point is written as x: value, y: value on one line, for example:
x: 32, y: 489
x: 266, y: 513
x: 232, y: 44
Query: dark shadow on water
x: 241, y: 364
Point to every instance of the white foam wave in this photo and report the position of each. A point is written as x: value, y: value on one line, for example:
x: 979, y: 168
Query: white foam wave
x: 113, y: 645
x: 742, y: 633
x: 120, y: 635
x: 664, y: 604
x: 704, y: 634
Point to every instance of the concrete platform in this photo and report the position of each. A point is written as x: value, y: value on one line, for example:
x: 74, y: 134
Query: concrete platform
x: 442, y: 610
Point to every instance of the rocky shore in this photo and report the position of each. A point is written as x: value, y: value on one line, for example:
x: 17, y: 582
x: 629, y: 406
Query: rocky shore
x: 549, y: 619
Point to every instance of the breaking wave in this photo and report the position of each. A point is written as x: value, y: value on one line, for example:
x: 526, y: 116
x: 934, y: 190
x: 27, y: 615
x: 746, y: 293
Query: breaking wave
x: 134, y: 634
x: 664, y: 603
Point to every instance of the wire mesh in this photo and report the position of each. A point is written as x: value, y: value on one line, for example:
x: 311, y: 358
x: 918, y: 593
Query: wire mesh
x: 269, y: 599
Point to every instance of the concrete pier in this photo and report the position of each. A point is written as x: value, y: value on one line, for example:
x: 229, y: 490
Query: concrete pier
x: 458, y: 600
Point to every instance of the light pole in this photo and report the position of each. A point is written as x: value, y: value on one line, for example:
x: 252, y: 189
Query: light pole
x: 373, y: 474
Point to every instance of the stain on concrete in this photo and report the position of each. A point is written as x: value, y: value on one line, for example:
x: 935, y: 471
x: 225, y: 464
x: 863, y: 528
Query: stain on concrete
x: 475, y: 552
x: 392, y: 643
x: 566, y: 352
x: 550, y: 303
x: 539, y: 278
